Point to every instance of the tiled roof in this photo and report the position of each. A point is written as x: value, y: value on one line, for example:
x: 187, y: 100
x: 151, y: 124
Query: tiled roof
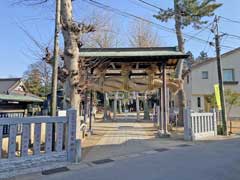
x: 20, y: 98
x: 197, y: 64
x: 8, y: 83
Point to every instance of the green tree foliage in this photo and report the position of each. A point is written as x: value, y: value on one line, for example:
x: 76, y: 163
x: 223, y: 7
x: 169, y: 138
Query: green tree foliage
x: 189, y: 61
x: 202, y: 56
x: 33, y: 81
x: 232, y: 100
x: 185, y: 13
x: 37, y: 78
x: 191, y: 12
x: 211, y: 99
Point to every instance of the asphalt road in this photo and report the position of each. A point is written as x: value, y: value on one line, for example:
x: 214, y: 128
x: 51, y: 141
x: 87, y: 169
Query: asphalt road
x: 209, y: 161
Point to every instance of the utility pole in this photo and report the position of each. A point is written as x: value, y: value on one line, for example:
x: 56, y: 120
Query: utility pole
x: 55, y: 60
x: 220, y: 77
x: 55, y: 67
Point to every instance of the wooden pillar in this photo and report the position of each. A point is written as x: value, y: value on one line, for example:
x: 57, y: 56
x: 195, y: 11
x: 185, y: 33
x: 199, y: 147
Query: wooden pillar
x: 165, y: 103
x: 137, y: 106
x: 158, y: 108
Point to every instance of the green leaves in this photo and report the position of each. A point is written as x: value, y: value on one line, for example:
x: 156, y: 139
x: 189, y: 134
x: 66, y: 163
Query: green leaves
x: 232, y: 98
x: 189, y: 12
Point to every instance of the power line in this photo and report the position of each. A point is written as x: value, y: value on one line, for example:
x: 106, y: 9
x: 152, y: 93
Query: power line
x: 143, y: 6
x: 207, y: 44
x: 193, y: 36
x: 232, y: 35
x: 230, y: 20
x: 150, y: 4
x: 203, y: 29
x: 129, y: 15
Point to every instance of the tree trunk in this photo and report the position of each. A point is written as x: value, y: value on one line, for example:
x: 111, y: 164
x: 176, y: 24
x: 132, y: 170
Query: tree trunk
x: 71, y: 57
x: 181, y: 94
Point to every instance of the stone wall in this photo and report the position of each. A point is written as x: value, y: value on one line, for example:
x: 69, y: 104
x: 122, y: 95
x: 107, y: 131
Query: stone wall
x: 12, y: 167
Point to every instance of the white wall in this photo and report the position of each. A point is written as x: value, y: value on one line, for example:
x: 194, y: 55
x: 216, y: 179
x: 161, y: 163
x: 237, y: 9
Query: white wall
x: 199, y: 87
x: 194, y: 105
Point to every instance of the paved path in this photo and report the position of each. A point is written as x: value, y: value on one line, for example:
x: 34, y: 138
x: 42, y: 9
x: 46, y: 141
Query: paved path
x: 208, y: 161
x: 123, y: 138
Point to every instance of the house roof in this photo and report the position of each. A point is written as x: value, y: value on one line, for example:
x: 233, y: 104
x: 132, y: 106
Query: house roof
x: 7, y: 93
x: 198, y: 64
x: 8, y: 84
x: 20, y: 98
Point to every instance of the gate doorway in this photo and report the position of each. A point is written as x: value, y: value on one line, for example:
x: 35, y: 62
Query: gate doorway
x: 128, y: 79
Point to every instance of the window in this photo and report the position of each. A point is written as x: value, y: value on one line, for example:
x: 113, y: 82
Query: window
x: 199, y: 102
x: 228, y: 75
x: 187, y: 79
x: 204, y: 74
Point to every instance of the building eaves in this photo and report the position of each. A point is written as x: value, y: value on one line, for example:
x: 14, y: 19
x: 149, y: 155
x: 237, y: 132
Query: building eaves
x: 198, y: 64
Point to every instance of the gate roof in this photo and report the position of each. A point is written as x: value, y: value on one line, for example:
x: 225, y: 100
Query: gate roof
x: 144, y: 56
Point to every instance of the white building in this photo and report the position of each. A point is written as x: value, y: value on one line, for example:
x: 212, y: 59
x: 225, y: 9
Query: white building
x: 199, y: 81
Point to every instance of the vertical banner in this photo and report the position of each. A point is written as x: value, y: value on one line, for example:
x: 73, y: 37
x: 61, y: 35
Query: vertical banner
x: 217, y: 96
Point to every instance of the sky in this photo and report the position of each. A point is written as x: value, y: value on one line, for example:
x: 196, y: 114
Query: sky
x: 18, y: 51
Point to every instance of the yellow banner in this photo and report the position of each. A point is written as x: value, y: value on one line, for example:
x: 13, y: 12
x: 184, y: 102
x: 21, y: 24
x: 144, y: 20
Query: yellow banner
x: 217, y: 96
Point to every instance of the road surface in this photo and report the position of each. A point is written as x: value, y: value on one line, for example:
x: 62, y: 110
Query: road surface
x: 207, y: 161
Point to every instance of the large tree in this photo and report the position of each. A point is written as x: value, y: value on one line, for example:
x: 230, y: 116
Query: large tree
x: 106, y: 33
x: 74, y: 66
x: 142, y: 34
x: 73, y: 71
x: 202, y: 56
x: 37, y: 78
x: 186, y: 13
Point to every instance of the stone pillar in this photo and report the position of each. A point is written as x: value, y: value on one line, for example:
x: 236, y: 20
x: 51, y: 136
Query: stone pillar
x: 115, y: 105
x: 71, y: 136
x: 167, y: 105
x: 106, y: 106
x: 187, y: 125
x: 91, y: 113
x: 154, y: 113
x: 120, y: 105
x: 146, y: 108
x: 161, y: 111
x: 85, y: 114
x: 137, y: 106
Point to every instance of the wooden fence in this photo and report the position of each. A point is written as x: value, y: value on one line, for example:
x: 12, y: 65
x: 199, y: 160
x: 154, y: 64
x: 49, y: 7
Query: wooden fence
x: 199, y: 126
x: 36, y: 148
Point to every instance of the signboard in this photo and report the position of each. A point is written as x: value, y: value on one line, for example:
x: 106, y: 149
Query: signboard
x: 217, y: 96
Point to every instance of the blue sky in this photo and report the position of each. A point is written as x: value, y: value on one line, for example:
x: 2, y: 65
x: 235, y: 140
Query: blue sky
x: 17, y: 50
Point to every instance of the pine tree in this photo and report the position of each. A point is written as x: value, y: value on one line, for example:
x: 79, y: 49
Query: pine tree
x: 186, y: 13
x: 202, y: 56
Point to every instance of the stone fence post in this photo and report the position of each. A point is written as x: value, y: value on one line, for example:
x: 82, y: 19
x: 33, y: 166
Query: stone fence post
x: 187, y: 125
x: 215, y: 121
x: 71, y: 134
